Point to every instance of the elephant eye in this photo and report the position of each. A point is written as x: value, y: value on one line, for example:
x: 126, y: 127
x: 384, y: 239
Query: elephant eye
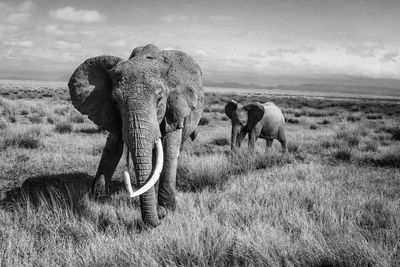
x: 159, y: 100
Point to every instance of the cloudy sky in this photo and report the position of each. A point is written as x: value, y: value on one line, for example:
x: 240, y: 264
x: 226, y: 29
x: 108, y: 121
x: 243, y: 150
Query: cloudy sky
x: 235, y: 40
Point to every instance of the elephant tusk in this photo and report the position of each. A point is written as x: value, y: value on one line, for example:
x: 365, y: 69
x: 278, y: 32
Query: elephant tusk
x: 153, y: 179
x: 127, y: 178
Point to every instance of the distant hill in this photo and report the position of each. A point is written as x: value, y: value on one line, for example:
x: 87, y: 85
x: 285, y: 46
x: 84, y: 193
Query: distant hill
x: 315, y: 87
x: 235, y: 85
x: 343, y: 89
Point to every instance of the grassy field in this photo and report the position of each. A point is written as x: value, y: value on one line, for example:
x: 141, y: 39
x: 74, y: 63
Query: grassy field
x: 334, y: 201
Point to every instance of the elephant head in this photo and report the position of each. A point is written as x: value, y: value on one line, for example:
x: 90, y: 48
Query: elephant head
x: 145, y: 97
x: 243, y: 119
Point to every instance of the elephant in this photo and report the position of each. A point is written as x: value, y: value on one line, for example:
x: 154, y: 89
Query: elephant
x: 150, y: 104
x: 259, y: 121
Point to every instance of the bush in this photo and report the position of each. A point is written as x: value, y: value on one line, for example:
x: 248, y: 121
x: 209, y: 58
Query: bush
x: 313, y: 127
x: 30, y: 139
x: 63, y: 127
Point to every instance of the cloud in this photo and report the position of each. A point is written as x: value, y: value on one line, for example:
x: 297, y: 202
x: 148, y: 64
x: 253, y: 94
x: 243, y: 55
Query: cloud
x: 280, y: 52
x: 23, y: 44
x: 17, y: 18
x: 55, y: 29
x: 362, y: 49
x: 118, y: 44
x: 391, y: 57
x: 15, y: 14
x: 174, y: 18
x: 71, y: 14
x: 67, y: 45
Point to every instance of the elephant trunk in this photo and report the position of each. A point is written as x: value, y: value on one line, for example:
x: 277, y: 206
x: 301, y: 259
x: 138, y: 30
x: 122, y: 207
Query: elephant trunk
x: 141, y: 142
x: 236, y: 138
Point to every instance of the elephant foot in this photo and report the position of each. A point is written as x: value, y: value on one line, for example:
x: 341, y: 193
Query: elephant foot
x: 99, y: 187
x: 162, y: 212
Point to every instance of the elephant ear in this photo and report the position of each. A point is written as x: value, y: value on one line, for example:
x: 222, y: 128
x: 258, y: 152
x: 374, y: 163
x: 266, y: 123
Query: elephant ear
x: 255, y: 112
x: 90, y: 88
x: 183, y: 78
x: 150, y: 51
x: 230, y: 108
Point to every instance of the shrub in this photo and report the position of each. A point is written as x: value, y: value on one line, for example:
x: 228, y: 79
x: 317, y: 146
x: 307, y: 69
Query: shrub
x: 313, y: 127
x: 63, y: 127
x: 30, y: 138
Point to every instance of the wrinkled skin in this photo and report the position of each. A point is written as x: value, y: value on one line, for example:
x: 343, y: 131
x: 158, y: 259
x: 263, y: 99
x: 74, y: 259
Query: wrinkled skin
x: 155, y: 94
x: 259, y: 121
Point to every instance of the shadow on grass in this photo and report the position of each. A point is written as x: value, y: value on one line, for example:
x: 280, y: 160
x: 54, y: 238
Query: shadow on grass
x: 66, y: 189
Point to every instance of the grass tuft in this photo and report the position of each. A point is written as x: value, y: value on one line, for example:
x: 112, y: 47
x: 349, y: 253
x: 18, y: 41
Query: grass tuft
x: 63, y: 127
x: 29, y: 138
x: 344, y: 154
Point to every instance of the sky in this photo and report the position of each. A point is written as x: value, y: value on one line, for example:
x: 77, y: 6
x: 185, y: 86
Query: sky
x: 248, y: 41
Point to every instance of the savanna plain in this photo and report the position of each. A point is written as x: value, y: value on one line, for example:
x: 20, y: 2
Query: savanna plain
x: 332, y: 200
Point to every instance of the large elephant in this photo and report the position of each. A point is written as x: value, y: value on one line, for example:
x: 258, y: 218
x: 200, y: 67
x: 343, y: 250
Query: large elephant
x: 259, y: 121
x: 152, y: 102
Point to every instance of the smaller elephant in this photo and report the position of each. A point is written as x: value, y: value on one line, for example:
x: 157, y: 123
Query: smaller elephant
x: 259, y: 120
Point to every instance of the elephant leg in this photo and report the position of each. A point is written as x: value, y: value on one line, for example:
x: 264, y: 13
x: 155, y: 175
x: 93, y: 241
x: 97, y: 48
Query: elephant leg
x: 268, y: 144
x: 112, y: 153
x: 252, y: 139
x: 282, y: 139
x: 167, y: 184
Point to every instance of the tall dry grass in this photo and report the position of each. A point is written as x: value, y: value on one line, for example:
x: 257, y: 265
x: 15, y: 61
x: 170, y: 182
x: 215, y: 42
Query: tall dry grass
x: 313, y: 207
